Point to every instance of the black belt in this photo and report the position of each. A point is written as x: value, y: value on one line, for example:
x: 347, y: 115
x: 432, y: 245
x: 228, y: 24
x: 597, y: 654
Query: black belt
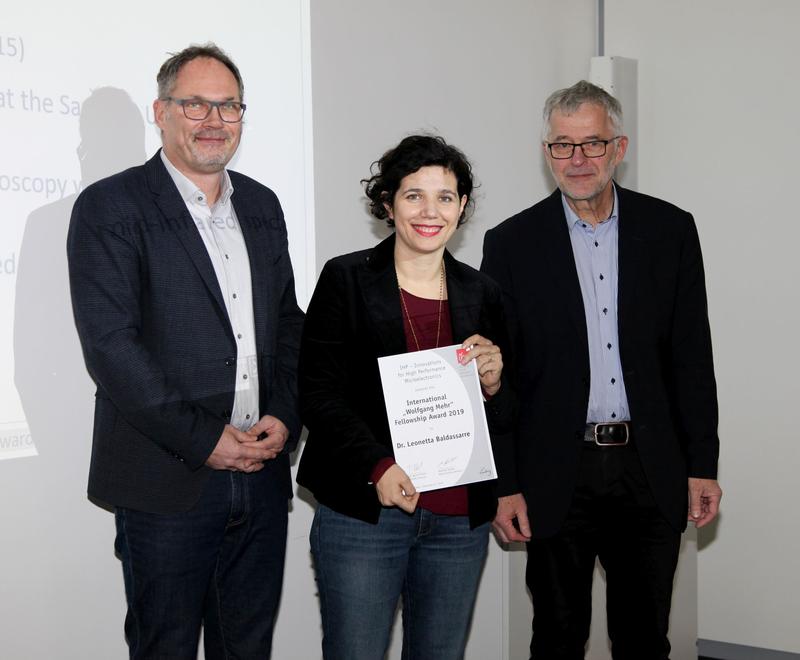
x: 612, y: 434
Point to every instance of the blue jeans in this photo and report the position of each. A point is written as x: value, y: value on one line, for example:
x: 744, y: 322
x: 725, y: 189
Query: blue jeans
x: 434, y: 561
x: 219, y: 564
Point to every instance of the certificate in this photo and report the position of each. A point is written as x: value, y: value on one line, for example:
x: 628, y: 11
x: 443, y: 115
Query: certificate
x: 436, y: 417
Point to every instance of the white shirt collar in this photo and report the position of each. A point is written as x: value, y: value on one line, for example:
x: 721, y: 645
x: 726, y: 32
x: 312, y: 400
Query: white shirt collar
x: 187, y: 189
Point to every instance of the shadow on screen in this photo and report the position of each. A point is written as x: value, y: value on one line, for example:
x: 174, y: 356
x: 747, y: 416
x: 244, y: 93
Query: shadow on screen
x: 46, y: 508
x: 50, y: 376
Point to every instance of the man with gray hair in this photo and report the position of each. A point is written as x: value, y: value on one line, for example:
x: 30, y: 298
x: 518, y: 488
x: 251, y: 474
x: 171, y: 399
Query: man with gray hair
x: 616, y: 440
x: 184, y: 301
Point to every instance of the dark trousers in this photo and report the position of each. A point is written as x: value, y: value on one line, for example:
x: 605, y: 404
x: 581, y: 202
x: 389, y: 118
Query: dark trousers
x: 219, y: 565
x: 612, y: 517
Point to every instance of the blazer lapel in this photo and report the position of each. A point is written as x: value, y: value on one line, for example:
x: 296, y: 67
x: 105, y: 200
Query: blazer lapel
x: 554, y: 235
x: 180, y: 222
x: 464, y: 300
x: 629, y: 259
x: 261, y: 261
x: 378, y: 284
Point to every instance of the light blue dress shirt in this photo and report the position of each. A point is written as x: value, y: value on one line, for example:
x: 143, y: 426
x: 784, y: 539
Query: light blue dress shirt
x: 595, y: 250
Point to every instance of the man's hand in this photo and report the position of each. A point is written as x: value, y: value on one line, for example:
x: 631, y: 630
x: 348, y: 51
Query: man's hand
x: 272, y: 432
x: 395, y: 489
x: 509, y: 508
x: 704, y: 497
x: 239, y: 452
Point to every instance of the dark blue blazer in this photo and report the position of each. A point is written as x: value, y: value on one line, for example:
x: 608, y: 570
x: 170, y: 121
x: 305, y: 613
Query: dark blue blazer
x: 665, y: 346
x: 157, y: 339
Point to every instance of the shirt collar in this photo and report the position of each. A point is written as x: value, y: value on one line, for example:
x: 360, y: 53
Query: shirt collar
x: 572, y: 217
x: 187, y: 189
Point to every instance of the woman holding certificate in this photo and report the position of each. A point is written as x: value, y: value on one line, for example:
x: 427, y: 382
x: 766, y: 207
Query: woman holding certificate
x: 374, y: 537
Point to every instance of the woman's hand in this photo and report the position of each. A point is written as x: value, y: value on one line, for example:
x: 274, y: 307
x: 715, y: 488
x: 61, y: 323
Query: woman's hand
x: 395, y: 489
x: 489, y: 360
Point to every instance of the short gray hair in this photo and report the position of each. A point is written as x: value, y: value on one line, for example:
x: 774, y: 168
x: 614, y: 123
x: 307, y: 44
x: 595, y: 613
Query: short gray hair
x: 569, y: 99
x: 168, y: 73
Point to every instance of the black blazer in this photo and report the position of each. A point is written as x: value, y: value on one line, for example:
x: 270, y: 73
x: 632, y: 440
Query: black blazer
x: 354, y: 317
x: 157, y: 339
x: 665, y: 347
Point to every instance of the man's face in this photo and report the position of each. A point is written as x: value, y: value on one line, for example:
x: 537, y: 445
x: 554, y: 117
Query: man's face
x: 204, y: 146
x: 581, y: 178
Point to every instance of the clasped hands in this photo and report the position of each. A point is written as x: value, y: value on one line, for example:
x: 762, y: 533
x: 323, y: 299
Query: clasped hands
x: 242, y: 451
x: 395, y: 488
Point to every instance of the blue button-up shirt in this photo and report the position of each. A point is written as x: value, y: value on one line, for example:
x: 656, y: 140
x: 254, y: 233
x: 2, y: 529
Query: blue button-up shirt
x: 595, y: 250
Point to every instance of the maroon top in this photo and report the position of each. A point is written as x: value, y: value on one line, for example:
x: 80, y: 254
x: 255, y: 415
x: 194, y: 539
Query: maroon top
x: 424, y: 314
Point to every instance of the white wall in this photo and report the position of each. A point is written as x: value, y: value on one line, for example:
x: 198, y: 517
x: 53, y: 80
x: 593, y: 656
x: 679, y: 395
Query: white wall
x: 719, y: 136
x: 474, y: 71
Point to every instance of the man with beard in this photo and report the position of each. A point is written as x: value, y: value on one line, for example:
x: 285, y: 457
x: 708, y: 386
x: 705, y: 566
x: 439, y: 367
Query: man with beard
x: 611, y: 357
x: 184, y: 302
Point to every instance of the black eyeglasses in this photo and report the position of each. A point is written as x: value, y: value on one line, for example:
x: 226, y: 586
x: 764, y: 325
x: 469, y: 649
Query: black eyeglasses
x: 590, y: 149
x: 198, y: 109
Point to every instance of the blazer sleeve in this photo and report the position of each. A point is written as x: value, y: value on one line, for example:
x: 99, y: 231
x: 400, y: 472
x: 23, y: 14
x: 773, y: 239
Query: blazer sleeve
x: 106, y: 283
x: 502, y: 412
x: 339, y: 436
x: 283, y: 399
x: 692, y: 361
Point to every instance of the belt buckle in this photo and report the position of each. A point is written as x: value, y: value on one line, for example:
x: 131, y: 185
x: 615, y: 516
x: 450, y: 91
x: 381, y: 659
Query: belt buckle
x: 611, y: 444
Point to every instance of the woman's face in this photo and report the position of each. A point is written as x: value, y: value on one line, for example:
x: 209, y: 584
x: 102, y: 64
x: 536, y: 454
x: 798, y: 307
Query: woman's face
x: 425, y: 210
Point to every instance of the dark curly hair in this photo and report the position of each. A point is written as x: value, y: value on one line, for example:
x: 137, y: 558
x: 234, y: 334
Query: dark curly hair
x: 413, y: 153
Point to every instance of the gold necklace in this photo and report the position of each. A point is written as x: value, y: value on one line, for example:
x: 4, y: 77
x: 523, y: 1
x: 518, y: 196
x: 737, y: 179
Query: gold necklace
x: 438, y: 316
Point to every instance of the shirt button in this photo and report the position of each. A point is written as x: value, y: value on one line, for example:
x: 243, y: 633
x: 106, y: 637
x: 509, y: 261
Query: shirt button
x: 601, y: 276
x: 608, y: 346
x: 247, y: 416
x: 244, y: 376
x: 239, y: 335
x: 234, y: 296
